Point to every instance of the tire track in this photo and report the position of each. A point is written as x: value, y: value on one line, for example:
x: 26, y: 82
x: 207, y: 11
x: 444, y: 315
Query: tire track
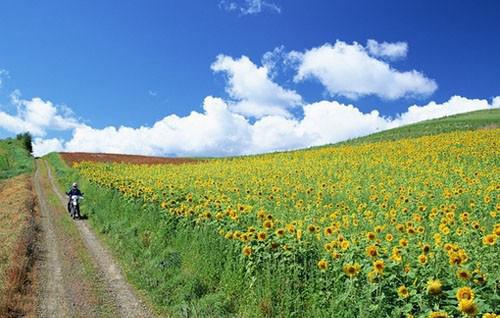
x: 53, y: 302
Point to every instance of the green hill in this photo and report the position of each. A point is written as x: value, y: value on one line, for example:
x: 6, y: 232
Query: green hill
x: 14, y: 158
x: 467, y: 121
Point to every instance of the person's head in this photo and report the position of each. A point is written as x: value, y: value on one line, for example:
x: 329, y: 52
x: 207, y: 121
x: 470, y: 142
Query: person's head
x: 74, y: 186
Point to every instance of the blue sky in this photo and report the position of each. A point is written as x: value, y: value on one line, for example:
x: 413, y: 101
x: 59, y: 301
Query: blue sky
x: 132, y: 63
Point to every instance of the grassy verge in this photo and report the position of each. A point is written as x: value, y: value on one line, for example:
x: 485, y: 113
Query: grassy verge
x: 14, y: 159
x: 17, y: 252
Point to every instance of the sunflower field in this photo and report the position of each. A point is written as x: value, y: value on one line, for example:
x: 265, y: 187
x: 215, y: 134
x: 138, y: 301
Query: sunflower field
x: 406, y: 228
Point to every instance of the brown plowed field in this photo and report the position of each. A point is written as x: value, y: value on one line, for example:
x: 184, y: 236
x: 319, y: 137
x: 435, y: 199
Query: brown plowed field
x: 72, y: 157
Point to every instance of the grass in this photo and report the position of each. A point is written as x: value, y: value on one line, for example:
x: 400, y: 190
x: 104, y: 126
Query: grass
x: 196, y: 273
x: 468, y: 121
x: 17, y: 250
x: 14, y: 159
x: 18, y: 228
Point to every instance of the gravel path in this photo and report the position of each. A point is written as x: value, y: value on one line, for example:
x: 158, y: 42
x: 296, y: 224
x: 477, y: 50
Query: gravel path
x: 52, y: 296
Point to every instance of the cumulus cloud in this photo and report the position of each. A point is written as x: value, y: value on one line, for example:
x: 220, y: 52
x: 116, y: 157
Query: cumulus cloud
x: 36, y: 116
x: 44, y: 146
x: 217, y: 131
x: 253, y: 92
x: 392, y: 51
x: 455, y: 105
x: 496, y: 102
x: 349, y: 70
x: 247, y: 7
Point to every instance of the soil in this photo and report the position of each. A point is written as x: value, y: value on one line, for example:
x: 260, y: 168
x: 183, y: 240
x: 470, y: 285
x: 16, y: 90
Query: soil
x: 75, y: 157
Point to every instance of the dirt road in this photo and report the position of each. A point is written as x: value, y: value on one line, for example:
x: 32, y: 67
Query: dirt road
x: 78, y: 276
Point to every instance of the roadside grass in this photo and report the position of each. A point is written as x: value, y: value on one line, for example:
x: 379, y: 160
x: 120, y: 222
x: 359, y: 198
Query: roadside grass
x: 83, y: 260
x: 19, y: 231
x: 14, y: 159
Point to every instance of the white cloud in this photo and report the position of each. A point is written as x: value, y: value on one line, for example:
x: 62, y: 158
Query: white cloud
x: 392, y: 51
x: 253, y: 92
x: 455, y: 105
x: 36, y: 116
x: 44, y: 146
x: 496, y: 102
x: 348, y: 70
x: 249, y: 6
x: 218, y: 131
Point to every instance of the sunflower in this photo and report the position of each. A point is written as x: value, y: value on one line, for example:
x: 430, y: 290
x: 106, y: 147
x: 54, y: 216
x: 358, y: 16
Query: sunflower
x: 336, y: 255
x: 261, y: 214
x: 268, y: 224
x: 244, y: 237
x: 378, y: 266
x: 261, y: 236
x: 351, y: 270
x: 311, y: 228
x: 328, y: 246
x: 329, y: 230
x: 280, y: 232
x: 434, y: 287
x: 467, y: 306
x: 323, y: 264
x: 247, y: 250
x: 463, y: 274
x: 389, y: 237
x: 465, y: 293
x: 403, y: 242
x: 497, y: 230
x: 426, y: 248
x: 403, y: 292
x: 370, y: 236
x: 489, y: 239
x: 396, y: 255
x: 371, y: 251
x: 344, y: 245
x: 422, y: 259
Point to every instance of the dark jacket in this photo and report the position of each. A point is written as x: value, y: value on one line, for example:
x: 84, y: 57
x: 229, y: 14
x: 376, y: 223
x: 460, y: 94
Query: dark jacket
x: 74, y: 191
